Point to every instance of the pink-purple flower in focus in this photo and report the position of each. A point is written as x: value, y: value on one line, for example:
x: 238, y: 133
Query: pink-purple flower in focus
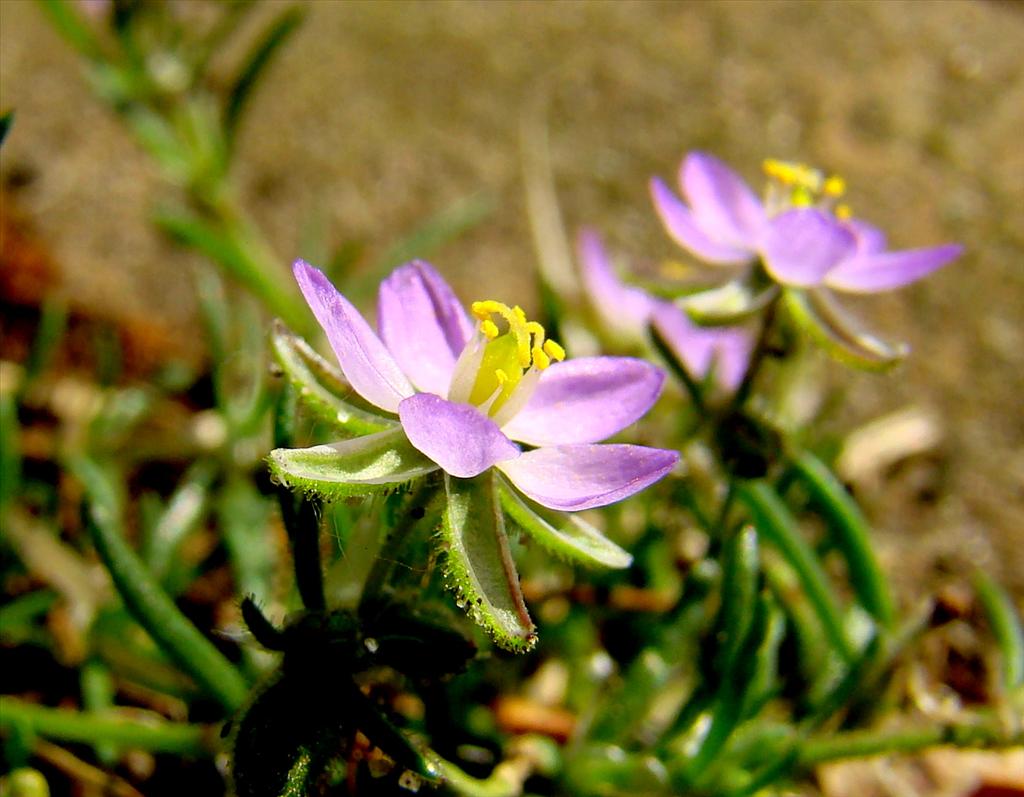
x: 469, y: 390
x: 629, y: 311
x: 798, y: 233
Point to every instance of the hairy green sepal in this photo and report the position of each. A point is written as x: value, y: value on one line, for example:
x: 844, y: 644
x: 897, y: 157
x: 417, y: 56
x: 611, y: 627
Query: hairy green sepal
x: 478, y: 564
x: 818, y: 315
x: 564, y: 535
x: 320, y: 386
x: 375, y: 463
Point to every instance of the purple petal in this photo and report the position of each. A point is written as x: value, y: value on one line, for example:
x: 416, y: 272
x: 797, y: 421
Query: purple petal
x: 584, y: 476
x: 721, y: 202
x: 689, y: 233
x: 458, y: 437
x: 698, y: 348
x: 888, y: 270
x: 623, y: 307
x: 367, y: 365
x: 423, y: 324
x: 585, y: 400
x: 870, y: 239
x: 801, y: 246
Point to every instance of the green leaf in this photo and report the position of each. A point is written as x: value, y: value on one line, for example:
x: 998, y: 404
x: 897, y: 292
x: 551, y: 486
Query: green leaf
x: 234, y: 253
x: 275, y: 35
x: 320, y: 385
x: 740, y: 576
x: 565, y: 535
x: 375, y: 463
x: 66, y: 18
x: 479, y: 566
x: 728, y: 305
x: 10, y: 449
x: 6, y: 123
x: 818, y: 315
x: 777, y: 525
x: 1006, y: 628
x: 185, y: 509
x: 143, y: 596
x: 852, y: 536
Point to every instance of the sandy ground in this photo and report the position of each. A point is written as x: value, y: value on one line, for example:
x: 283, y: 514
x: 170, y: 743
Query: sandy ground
x: 379, y: 114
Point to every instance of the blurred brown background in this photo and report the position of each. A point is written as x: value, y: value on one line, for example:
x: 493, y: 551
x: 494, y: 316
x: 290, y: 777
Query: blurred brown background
x: 377, y: 115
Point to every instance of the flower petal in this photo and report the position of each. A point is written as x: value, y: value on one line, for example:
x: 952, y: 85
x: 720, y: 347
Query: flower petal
x: 423, y: 324
x: 620, y: 306
x: 458, y: 437
x: 870, y: 239
x: 722, y: 203
x: 801, y: 246
x: 689, y: 233
x: 585, y: 400
x: 700, y: 348
x: 584, y: 476
x: 367, y: 365
x: 888, y: 270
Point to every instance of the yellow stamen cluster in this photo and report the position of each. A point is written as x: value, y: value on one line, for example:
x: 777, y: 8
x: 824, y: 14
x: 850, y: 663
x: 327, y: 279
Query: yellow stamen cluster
x: 531, y: 346
x: 808, y: 186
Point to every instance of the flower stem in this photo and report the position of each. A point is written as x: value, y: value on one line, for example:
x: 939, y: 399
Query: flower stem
x: 108, y: 728
x: 756, y: 357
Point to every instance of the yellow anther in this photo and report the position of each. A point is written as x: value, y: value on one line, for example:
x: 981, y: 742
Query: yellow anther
x: 554, y: 351
x: 802, y: 198
x: 531, y: 347
x: 843, y: 212
x: 501, y: 376
x: 835, y: 186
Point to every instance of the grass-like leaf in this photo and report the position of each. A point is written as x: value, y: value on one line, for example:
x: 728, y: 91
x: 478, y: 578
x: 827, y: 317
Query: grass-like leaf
x: 479, y: 565
x: 851, y: 533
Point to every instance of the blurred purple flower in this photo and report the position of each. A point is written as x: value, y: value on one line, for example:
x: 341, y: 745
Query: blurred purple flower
x: 629, y: 310
x: 463, y: 395
x: 802, y: 240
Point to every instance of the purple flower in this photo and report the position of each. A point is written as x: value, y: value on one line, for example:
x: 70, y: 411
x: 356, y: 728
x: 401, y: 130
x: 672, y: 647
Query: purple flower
x: 629, y: 311
x: 800, y: 236
x: 464, y: 391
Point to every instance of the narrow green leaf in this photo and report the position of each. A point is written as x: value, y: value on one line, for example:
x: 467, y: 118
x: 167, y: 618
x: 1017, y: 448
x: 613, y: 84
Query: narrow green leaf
x: 263, y: 280
x: 98, y: 692
x: 851, y: 531
x: 376, y: 463
x: 564, y: 535
x: 148, y: 603
x: 10, y: 450
x: 273, y: 37
x: 629, y: 705
x: 444, y: 226
x: 68, y: 21
x: 52, y: 323
x: 184, y: 511
x: 1006, y: 628
x: 728, y: 305
x: 478, y: 564
x: 243, y: 515
x: 320, y: 385
x: 821, y: 318
x: 6, y: 123
x: 777, y: 525
x: 76, y: 726
x: 741, y: 570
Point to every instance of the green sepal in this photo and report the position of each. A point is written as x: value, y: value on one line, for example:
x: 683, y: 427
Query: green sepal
x: 728, y: 305
x: 368, y: 465
x: 478, y: 564
x: 567, y: 536
x: 320, y: 385
x: 818, y: 315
